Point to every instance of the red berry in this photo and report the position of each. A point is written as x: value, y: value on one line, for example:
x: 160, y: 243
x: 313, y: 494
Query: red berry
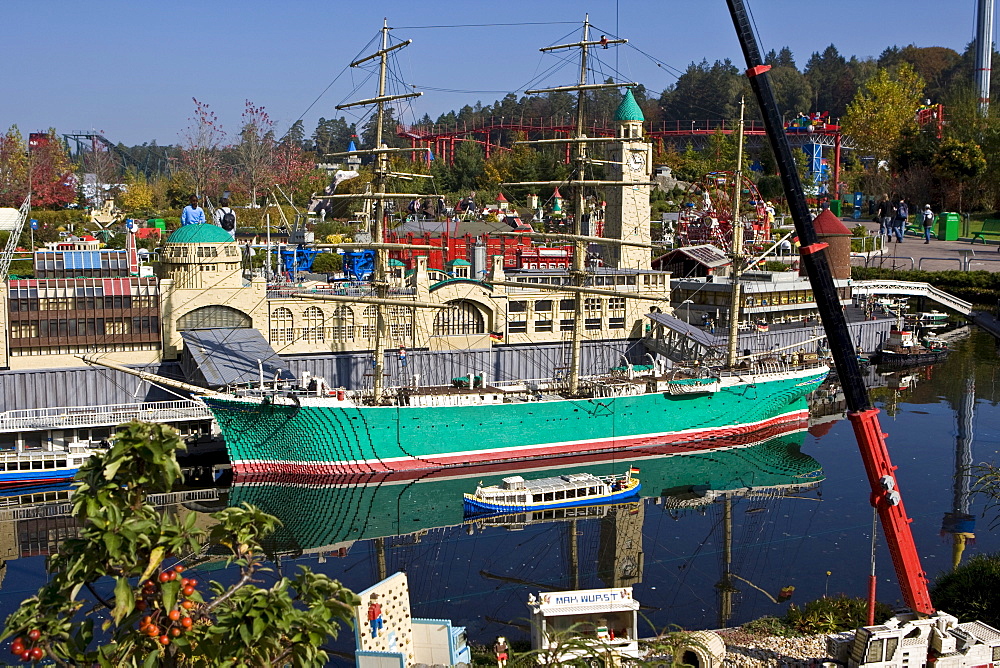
x: 186, y: 622
x: 153, y: 630
x: 164, y: 577
x: 148, y: 584
x: 17, y: 646
x: 37, y: 653
x: 175, y: 632
x: 34, y: 635
x: 164, y: 640
x: 188, y: 590
x: 26, y: 655
x: 174, y: 615
x: 141, y: 605
x: 193, y: 582
x: 185, y: 582
x: 187, y: 605
x: 179, y: 568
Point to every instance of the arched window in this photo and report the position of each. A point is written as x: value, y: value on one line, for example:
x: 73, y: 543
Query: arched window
x: 312, y: 331
x: 462, y: 318
x: 282, y: 326
x: 214, y: 317
x: 342, y: 324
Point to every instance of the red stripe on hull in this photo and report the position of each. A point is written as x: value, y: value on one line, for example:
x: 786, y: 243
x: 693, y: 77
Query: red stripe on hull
x: 471, y: 463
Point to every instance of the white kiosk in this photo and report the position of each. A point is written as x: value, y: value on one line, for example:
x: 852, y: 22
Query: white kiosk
x: 604, y: 619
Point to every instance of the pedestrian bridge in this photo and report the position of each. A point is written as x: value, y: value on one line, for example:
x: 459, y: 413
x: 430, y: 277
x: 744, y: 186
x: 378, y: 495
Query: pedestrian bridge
x: 911, y: 289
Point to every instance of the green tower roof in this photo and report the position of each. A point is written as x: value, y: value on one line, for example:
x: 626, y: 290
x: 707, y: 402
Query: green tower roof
x: 204, y: 233
x: 629, y: 109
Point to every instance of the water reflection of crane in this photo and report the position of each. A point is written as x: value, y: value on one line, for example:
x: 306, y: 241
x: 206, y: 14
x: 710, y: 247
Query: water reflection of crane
x: 959, y: 522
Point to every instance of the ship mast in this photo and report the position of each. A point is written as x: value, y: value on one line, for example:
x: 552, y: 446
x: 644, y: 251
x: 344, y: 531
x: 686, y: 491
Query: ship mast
x: 737, y: 222
x: 578, y: 271
x: 380, y: 176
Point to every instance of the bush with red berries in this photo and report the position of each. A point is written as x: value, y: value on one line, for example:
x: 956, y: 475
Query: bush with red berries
x: 153, y: 613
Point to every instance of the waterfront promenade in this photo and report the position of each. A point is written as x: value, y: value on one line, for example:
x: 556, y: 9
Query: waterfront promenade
x: 913, y: 253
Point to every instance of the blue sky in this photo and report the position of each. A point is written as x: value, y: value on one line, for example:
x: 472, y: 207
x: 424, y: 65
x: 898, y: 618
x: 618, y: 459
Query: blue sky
x: 130, y: 68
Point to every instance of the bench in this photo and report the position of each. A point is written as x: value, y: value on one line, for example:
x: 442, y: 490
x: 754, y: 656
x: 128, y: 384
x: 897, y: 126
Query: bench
x: 991, y: 228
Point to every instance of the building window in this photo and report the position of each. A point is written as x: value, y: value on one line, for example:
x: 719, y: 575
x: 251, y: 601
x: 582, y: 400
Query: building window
x: 400, y: 321
x: 215, y: 317
x: 370, y: 317
x: 517, y: 307
x: 592, y: 305
x: 616, y: 323
x: 616, y: 304
x: 567, y: 304
x: 566, y: 325
x: 543, y: 306
x: 592, y: 323
x: 313, y: 329
x: 342, y: 324
x: 282, y: 326
x: 462, y: 318
x: 543, y: 325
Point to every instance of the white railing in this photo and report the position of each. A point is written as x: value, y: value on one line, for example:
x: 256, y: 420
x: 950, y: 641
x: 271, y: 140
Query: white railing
x: 66, y: 417
x: 64, y: 507
x: 913, y: 288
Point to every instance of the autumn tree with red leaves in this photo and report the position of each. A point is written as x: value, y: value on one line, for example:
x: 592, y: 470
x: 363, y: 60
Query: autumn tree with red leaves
x: 52, y: 182
x: 200, y: 152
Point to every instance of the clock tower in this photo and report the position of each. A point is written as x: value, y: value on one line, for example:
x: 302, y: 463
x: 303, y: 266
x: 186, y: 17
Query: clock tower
x: 627, y: 215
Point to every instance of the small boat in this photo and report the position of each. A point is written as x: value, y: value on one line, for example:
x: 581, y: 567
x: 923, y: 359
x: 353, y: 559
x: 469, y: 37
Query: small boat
x: 515, y: 494
x: 902, y: 349
x: 42, y: 466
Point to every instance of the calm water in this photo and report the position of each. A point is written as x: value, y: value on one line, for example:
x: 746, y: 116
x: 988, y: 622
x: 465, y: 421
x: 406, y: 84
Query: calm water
x: 794, y: 507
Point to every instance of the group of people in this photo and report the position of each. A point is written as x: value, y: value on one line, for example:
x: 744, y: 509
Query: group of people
x: 892, y: 219
x: 223, y: 216
x: 434, y: 208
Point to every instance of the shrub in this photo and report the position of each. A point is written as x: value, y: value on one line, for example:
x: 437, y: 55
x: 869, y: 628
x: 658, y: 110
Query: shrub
x: 969, y: 591
x: 832, y: 615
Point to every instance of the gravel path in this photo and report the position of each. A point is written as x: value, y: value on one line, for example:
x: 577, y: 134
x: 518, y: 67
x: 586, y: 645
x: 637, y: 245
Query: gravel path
x: 745, y: 650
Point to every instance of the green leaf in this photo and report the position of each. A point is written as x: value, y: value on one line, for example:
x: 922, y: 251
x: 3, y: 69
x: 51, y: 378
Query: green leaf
x: 151, y: 660
x: 111, y: 469
x: 170, y: 591
x: 124, y: 599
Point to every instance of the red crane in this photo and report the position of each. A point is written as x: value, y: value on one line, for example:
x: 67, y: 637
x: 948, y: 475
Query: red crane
x: 885, y: 494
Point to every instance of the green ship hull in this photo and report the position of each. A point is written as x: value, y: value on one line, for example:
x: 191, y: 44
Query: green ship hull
x: 324, y: 436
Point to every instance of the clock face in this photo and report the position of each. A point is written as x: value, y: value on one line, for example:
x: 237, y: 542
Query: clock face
x: 637, y: 161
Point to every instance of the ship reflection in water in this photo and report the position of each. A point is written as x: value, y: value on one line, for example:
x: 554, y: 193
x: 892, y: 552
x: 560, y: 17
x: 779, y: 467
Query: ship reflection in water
x: 478, y: 572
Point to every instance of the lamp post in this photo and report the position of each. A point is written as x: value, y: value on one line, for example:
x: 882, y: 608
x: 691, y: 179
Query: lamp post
x: 688, y: 302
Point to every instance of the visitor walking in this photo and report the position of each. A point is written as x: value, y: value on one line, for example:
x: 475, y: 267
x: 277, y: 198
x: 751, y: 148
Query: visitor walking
x: 886, y: 212
x: 899, y: 223
x: 928, y: 222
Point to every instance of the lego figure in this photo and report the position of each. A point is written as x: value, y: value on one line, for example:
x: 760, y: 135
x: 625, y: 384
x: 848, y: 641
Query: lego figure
x: 375, y: 616
x: 500, y: 650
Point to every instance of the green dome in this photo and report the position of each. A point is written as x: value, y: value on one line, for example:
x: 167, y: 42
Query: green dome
x: 204, y: 233
x: 629, y: 109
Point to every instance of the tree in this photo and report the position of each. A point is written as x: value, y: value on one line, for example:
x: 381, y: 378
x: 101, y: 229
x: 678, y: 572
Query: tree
x: 959, y: 162
x: 53, y: 184
x: 883, y: 108
x: 199, y: 154
x: 332, y: 136
x: 137, y: 195
x: 13, y: 168
x: 255, y: 152
x: 163, y: 619
x: 831, y: 80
